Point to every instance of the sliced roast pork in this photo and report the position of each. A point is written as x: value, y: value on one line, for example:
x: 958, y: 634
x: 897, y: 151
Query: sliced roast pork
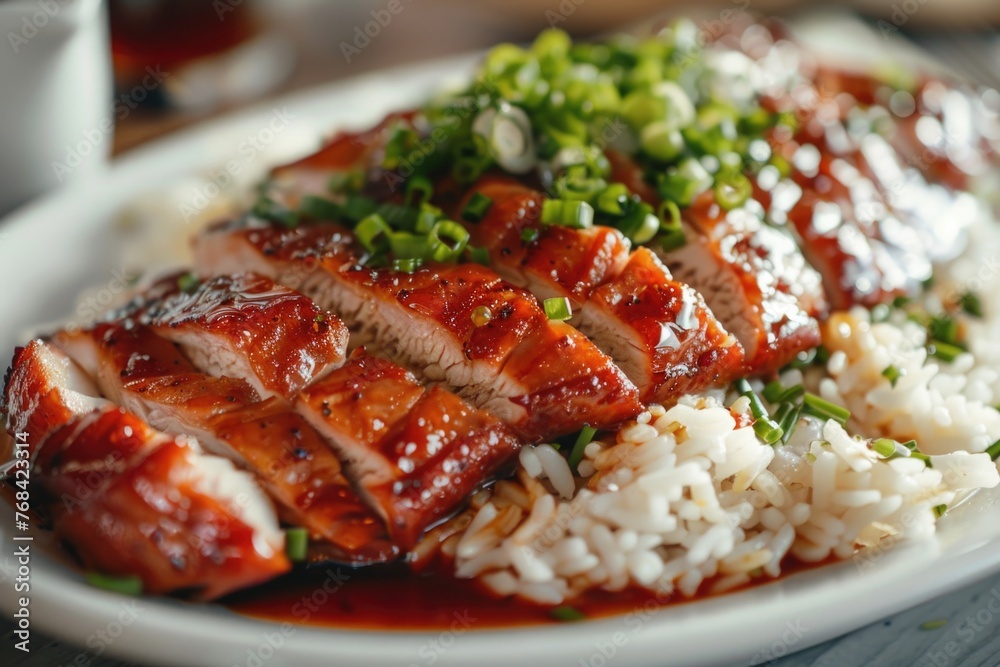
x: 415, y: 453
x: 43, y: 390
x: 133, y: 501
x: 550, y: 261
x: 244, y: 326
x: 458, y: 325
x: 130, y: 500
x: 657, y: 330
x: 754, y: 279
x: 151, y: 377
x: 660, y: 332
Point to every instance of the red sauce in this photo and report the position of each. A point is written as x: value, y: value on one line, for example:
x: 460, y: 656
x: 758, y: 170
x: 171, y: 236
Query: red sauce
x: 395, y: 598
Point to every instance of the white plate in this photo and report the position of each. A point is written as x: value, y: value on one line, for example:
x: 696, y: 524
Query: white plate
x: 51, y: 249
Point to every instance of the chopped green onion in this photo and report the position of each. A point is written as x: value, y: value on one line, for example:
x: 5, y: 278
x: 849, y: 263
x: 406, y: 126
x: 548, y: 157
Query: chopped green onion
x: 934, y: 625
x: 994, y: 450
x: 767, y: 430
x: 529, y: 234
x: 404, y: 245
x: 971, y: 304
x: 447, y: 240
x: 892, y: 373
x: 639, y: 224
x: 681, y: 184
x: 319, y: 208
x: 419, y: 190
x: 126, y: 585
x: 477, y: 207
x: 732, y: 190
x: 888, y: 448
x: 373, y: 233
x: 479, y: 255
x: 944, y: 351
x: 188, y: 283
x: 346, y: 180
x: 270, y: 210
x: 774, y: 392
x: 818, y: 407
x: 296, y: 543
x: 357, y: 208
x: 939, y: 510
x: 661, y: 141
x: 567, y: 614
x: 789, y: 420
x: 613, y: 200
x: 945, y: 329
x: 408, y: 265
x: 558, y: 308
x: 922, y: 457
x: 585, y: 438
x: 575, y: 214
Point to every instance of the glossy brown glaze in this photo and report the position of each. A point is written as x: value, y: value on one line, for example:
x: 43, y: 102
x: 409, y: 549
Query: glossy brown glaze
x: 942, y: 128
x: 150, y: 376
x: 670, y: 343
x: 560, y: 261
x: 245, y: 326
x: 132, y: 501
x: 774, y: 296
x: 425, y: 321
x: 416, y: 454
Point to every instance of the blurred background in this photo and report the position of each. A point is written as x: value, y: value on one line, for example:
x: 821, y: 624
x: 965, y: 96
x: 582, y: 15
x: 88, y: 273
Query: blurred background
x: 178, y: 62
x: 292, y: 44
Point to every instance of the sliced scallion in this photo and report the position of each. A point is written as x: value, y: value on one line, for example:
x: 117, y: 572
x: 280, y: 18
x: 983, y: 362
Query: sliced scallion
x: 971, y: 304
x: 558, y: 308
x: 585, y: 438
x: 567, y: 614
x: 373, y: 234
x: 419, y: 190
x: 994, y: 450
x: 944, y: 351
x: 318, y: 208
x: 566, y: 213
x: 188, y: 283
x: 529, y: 234
x: 447, y: 239
x: 477, y: 208
x: 823, y: 409
x: 126, y: 585
x: 479, y: 255
x: 892, y: 374
x: 296, y: 543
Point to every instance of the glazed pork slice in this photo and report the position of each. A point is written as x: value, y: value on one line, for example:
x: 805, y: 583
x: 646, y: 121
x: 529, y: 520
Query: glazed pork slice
x: 660, y: 332
x: 838, y: 218
x: 415, y: 453
x: 244, y: 326
x: 155, y: 506
x: 43, y: 390
x: 557, y: 261
x: 459, y: 325
x: 149, y: 376
x: 754, y: 279
x: 345, y: 151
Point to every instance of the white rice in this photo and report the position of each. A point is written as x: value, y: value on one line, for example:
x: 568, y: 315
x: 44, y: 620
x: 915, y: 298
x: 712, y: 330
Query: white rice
x: 690, y: 498
x: 685, y: 500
